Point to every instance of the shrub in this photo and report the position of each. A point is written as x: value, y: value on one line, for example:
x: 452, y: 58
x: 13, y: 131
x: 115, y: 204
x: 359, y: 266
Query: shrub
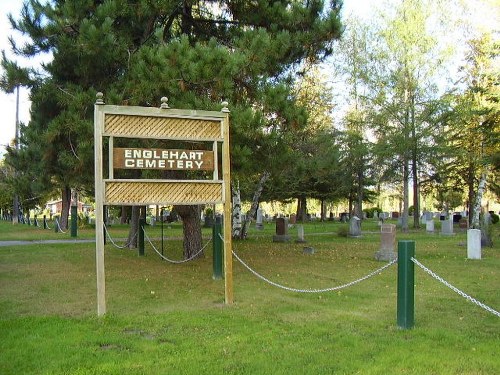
x: 343, y: 231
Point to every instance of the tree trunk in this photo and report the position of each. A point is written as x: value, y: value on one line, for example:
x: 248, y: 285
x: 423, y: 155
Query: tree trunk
x: 133, y: 232
x: 191, y: 225
x: 66, y: 201
x: 236, y: 214
x: 404, y: 220
x: 302, y: 208
x: 124, y: 215
x: 477, y: 205
x: 359, y: 201
x: 471, y: 195
x: 255, y: 203
x: 323, y: 210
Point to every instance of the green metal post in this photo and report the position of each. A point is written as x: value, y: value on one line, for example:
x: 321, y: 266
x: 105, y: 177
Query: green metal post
x: 142, y: 222
x: 218, y: 248
x: 406, y: 284
x: 74, y: 220
x: 44, y: 221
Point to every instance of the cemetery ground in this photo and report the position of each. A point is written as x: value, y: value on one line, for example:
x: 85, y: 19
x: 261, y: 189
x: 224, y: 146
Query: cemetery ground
x: 168, y: 318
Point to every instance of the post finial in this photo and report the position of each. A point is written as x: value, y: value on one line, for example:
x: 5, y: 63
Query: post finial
x: 99, y: 98
x: 164, y: 103
x: 224, y: 107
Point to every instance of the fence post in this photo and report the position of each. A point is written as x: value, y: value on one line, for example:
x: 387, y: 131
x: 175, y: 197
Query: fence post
x: 217, y: 249
x: 56, y: 225
x: 406, y: 284
x: 142, y: 223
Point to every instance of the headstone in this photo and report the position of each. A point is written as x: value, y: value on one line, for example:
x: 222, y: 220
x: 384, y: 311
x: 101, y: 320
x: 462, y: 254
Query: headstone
x: 429, y: 226
x: 281, y: 230
x: 293, y: 219
x: 375, y: 214
x: 308, y: 250
x: 355, y: 227
x: 395, y: 215
x: 300, y: 234
x: 429, y: 216
x: 423, y: 219
x: 474, y: 244
x: 400, y: 221
x: 152, y: 221
x: 258, y: 224
x: 387, y: 243
x: 456, y: 217
x: 343, y: 217
x: 447, y: 227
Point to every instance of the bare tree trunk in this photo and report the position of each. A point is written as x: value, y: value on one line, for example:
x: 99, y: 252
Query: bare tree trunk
x: 191, y: 225
x: 302, y: 208
x: 66, y: 200
x: 134, y: 227
x: 477, y: 205
x: 124, y: 215
x: 404, y: 223
x: 323, y: 210
x: 255, y: 203
x: 416, y: 194
x: 236, y: 215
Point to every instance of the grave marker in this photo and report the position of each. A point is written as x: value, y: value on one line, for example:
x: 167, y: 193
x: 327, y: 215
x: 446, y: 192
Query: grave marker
x: 387, y: 243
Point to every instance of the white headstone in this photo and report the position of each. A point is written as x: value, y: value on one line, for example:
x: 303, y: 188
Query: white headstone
x: 447, y: 227
x: 474, y: 244
x: 300, y: 234
x: 258, y: 223
x: 429, y: 226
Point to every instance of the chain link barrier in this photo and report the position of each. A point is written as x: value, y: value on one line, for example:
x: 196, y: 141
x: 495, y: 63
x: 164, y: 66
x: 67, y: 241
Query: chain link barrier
x: 377, y: 271
x: 127, y: 244
x: 171, y: 260
x: 455, y: 289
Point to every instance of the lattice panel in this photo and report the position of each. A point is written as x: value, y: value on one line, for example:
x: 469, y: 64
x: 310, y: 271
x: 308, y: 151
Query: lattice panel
x: 162, y: 127
x: 142, y: 193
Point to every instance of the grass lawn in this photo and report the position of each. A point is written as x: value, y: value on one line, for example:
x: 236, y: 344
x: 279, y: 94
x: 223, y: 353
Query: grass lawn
x: 165, y: 318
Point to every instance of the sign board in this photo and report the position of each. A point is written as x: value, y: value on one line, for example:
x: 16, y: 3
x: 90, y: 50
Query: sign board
x: 127, y: 122
x: 138, y: 158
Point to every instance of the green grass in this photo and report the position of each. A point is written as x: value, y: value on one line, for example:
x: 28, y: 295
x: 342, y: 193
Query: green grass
x: 170, y: 319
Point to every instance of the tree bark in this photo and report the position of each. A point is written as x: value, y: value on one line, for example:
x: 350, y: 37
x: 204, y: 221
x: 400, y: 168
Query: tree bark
x: 191, y: 225
x: 124, y: 215
x: 66, y: 201
x: 255, y: 203
x: 236, y: 213
x: 477, y: 205
x: 404, y: 223
x: 302, y: 208
x: 134, y: 227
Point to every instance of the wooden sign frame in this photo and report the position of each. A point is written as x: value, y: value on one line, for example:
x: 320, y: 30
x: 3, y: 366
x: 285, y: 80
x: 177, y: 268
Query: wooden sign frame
x: 161, y: 123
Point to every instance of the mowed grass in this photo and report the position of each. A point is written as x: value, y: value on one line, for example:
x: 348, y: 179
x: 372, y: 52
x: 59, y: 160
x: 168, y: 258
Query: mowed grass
x: 168, y: 318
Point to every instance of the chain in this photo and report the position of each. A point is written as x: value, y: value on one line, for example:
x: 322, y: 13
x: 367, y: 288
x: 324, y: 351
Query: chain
x: 60, y: 229
x: 114, y: 243
x: 171, y: 260
x: 456, y: 290
x: 313, y: 290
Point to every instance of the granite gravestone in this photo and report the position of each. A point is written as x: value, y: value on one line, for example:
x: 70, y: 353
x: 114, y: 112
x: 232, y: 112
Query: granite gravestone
x: 387, y: 243
x: 281, y: 230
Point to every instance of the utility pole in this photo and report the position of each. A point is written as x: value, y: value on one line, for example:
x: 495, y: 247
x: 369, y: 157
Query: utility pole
x: 15, y: 208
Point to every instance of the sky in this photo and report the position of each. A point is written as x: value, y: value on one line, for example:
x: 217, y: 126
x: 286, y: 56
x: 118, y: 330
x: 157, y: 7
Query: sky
x: 361, y: 8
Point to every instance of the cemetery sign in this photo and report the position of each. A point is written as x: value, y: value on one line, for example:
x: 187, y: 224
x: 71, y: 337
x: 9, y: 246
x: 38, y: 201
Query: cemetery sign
x: 210, y: 128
